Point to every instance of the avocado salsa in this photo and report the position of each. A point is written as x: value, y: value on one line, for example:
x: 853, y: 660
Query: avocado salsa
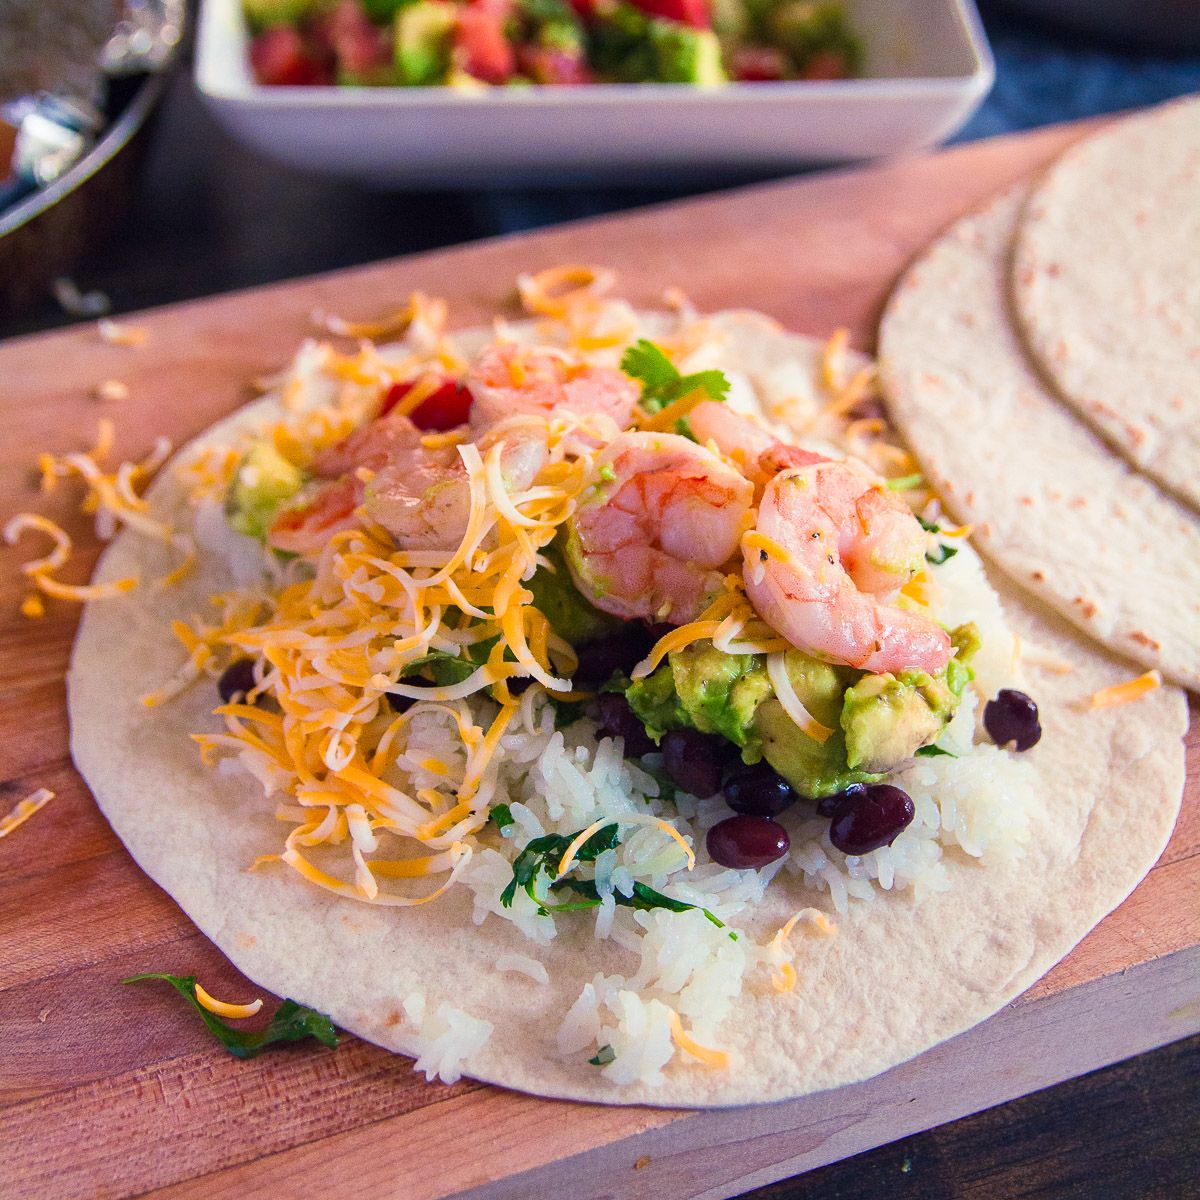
x: 470, y: 44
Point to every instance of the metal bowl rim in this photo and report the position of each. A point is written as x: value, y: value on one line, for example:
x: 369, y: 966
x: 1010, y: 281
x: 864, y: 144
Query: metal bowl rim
x: 117, y: 136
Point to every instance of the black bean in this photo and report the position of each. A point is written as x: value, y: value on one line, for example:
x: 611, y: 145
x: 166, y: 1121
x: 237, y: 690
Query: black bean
x: 876, y: 817
x: 617, y: 719
x: 827, y: 806
x: 746, y: 842
x: 399, y: 704
x: 758, y: 791
x: 693, y: 760
x: 620, y: 652
x: 1012, y: 718
x: 517, y: 684
x: 236, y: 680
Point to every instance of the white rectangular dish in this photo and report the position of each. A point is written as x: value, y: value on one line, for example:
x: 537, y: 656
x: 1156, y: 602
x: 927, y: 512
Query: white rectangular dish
x: 927, y: 68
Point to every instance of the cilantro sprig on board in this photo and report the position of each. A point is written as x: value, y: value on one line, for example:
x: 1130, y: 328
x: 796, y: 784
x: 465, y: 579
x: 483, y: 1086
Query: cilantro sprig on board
x: 292, y: 1022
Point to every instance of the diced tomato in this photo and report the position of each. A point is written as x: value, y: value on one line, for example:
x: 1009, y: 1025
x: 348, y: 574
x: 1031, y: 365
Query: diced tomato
x: 481, y: 48
x: 825, y: 64
x: 690, y: 12
x: 499, y: 8
x: 279, y: 56
x: 360, y: 45
x: 447, y: 407
x: 758, y: 64
x: 546, y: 64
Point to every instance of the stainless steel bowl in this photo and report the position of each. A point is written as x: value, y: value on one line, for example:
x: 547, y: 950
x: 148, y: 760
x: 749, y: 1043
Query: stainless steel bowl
x: 1170, y: 26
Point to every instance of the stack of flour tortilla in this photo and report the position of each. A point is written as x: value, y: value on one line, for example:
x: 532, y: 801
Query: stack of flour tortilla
x: 1043, y: 359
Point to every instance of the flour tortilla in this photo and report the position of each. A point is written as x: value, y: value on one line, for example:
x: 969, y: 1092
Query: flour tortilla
x: 1051, y: 503
x: 1106, y: 281
x: 900, y: 976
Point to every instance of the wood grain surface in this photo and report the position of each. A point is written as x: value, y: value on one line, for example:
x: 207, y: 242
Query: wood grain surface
x: 116, y: 1092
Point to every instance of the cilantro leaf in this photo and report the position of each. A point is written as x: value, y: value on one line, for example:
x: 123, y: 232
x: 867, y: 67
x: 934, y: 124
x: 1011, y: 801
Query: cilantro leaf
x: 543, y: 855
x: 662, y: 384
x: 929, y: 526
x: 603, y: 1056
x: 501, y: 816
x: 934, y: 752
x: 292, y: 1022
x: 942, y: 554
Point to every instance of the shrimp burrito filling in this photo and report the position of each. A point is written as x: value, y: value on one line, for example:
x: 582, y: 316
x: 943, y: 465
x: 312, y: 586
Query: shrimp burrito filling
x: 628, y: 656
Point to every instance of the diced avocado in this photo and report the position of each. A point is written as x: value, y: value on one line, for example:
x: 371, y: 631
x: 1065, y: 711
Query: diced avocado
x: 561, y: 603
x: 966, y: 642
x: 423, y: 37
x: 552, y: 23
x: 730, y: 20
x: 813, y: 768
x: 656, y: 702
x: 620, y: 46
x: 804, y: 28
x: 262, y: 14
x: 263, y: 483
x: 686, y: 55
x: 720, y: 692
x: 383, y: 11
x: 888, y: 718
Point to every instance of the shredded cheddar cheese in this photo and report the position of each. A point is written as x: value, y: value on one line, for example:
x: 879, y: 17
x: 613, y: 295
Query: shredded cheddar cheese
x: 119, y: 334
x: 222, y: 1008
x: 24, y: 809
x: 1124, y: 693
x: 710, y: 1057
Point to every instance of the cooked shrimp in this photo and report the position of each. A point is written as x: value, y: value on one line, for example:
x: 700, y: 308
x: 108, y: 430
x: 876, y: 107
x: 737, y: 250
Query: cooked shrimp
x: 507, y: 379
x: 306, y: 527
x: 375, y: 444
x: 662, y: 516
x: 420, y: 494
x: 756, y: 450
x: 425, y: 503
x: 850, y: 545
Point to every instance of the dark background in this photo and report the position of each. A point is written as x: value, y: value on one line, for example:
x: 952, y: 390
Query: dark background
x: 208, y: 216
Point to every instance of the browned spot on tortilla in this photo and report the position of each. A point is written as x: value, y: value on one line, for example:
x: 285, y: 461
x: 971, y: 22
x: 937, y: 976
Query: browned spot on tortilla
x: 1077, y: 502
x: 1038, y: 576
x: 642, y: 1163
x: 1136, y: 435
x: 245, y: 940
x: 1176, y: 402
x: 985, y: 529
x: 1060, y: 351
x: 1144, y: 639
x: 1028, y: 275
x: 1054, y: 270
x: 395, y: 1017
x: 1027, y: 501
x: 1085, y: 606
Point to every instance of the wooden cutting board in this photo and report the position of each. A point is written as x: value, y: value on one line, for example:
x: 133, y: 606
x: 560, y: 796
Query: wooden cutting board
x: 116, y: 1091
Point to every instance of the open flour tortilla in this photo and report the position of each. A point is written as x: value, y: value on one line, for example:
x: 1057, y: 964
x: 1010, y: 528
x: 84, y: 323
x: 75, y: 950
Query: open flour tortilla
x: 900, y: 976
x: 1051, y: 503
x: 1106, y: 281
